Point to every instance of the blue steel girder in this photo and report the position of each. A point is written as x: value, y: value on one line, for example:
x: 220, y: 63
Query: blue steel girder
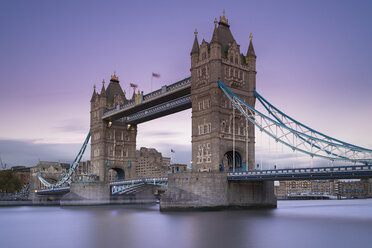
x: 310, y: 145
x: 66, y: 177
x: 346, y: 172
x: 131, y: 186
x: 158, y: 97
x: 53, y: 191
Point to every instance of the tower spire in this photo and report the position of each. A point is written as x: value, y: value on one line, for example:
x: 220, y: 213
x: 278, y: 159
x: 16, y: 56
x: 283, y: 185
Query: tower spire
x: 114, y: 77
x: 103, y: 91
x: 250, y: 52
x: 224, y: 20
x: 215, y: 36
x: 195, y: 47
x: 94, y: 93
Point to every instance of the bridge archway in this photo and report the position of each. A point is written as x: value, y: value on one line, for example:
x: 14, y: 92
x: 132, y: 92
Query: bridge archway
x: 116, y: 174
x: 228, y: 159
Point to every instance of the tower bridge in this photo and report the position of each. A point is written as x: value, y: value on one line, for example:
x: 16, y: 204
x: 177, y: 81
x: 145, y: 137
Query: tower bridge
x: 222, y: 95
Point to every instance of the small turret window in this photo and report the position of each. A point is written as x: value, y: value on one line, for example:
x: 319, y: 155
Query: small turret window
x: 236, y: 60
x: 204, y: 55
x: 231, y: 59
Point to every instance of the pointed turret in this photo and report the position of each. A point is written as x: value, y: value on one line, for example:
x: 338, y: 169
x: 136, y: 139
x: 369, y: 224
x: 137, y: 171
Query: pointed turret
x: 103, y: 91
x: 250, y: 52
x: 195, y: 47
x: 94, y: 93
x: 215, y: 33
x: 215, y: 45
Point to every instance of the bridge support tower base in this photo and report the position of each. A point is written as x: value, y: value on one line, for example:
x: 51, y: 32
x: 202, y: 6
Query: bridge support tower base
x: 87, y: 193
x: 212, y: 191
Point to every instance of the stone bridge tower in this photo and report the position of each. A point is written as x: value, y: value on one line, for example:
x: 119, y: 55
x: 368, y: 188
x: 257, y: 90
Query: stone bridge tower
x: 213, y: 124
x: 214, y: 127
x: 113, y: 145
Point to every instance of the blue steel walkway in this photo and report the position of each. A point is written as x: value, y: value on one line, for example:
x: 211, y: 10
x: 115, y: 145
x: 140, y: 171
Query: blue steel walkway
x: 346, y: 172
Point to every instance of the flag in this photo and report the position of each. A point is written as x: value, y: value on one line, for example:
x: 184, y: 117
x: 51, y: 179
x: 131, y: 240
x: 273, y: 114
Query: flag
x: 172, y: 151
x: 157, y: 75
x: 133, y: 85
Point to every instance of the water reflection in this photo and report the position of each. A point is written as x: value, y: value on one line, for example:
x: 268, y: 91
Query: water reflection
x: 293, y: 224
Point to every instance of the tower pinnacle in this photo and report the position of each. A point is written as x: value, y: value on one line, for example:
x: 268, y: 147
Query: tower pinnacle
x: 250, y: 52
x: 103, y: 91
x: 223, y: 19
x: 195, y: 46
x: 114, y: 77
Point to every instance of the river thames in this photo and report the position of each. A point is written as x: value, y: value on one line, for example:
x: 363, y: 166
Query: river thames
x: 327, y: 223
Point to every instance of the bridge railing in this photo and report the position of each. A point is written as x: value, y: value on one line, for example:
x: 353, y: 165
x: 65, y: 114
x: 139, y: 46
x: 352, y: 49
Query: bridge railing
x: 144, y: 180
x: 52, y: 190
x: 313, y: 172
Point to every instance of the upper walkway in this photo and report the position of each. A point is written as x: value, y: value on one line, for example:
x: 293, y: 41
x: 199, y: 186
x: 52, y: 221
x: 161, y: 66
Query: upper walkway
x: 167, y: 100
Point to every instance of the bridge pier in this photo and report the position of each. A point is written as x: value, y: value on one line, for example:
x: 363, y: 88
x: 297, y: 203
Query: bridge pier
x: 202, y: 190
x: 87, y: 193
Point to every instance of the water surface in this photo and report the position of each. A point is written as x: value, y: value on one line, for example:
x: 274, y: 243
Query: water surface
x: 345, y: 223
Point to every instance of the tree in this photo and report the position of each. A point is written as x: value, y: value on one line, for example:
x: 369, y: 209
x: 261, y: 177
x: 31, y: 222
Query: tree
x: 9, y: 183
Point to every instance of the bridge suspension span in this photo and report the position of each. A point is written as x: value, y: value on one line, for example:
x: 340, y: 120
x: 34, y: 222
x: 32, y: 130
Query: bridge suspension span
x: 296, y: 135
x: 66, y: 177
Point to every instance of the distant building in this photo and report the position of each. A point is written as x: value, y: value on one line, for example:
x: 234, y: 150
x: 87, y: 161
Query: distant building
x: 50, y: 171
x: 355, y: 188
x: 84, y: 172
x: 322, y: 187
x: 175, y: 168
x: 23, y: 174
x: 150, y: 163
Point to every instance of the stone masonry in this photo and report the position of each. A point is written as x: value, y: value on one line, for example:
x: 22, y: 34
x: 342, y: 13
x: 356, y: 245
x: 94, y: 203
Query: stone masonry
x: 113, y: 144
x: 214, y: 127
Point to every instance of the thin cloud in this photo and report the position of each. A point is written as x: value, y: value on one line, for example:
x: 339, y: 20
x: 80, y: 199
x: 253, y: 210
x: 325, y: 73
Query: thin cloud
x: 28, y: 153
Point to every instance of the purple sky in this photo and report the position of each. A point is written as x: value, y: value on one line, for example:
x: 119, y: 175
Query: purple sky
x: 313, y: 62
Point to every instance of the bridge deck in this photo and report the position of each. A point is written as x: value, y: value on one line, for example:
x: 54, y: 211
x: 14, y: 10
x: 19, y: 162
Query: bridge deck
x: 320, y: 173
x: 348, y: 172
x: 158, y: 97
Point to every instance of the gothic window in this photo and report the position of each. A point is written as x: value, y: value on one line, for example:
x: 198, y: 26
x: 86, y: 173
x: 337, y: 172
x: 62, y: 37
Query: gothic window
x: 204, y: 55
x: 236, y: 60
x: 207, y: 103
x: 96, y: 152
x: 236, y: 73
x: 203, y: 72
x: 125, y: 152
x: 241, y: 75
x: 204, y: 154
x: 117, y: 135
x: 231, y: 59
x: 117, y: 152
